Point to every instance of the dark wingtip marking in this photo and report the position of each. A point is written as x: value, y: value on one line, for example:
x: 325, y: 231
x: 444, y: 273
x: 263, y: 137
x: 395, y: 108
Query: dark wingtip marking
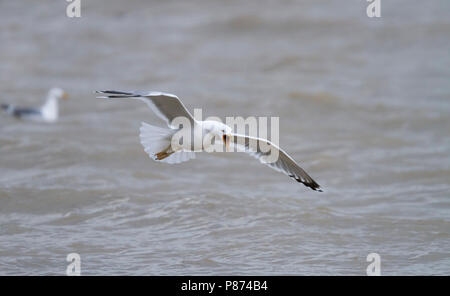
x: 124, y: 96
x: 313, y: 185
x: 114, y: 92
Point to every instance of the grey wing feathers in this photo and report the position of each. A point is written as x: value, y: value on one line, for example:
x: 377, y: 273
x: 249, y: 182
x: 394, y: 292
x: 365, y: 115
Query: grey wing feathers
x: 166, y: 106
x: 20, y: 112
x: 23, y: 112
x: 284, y: 163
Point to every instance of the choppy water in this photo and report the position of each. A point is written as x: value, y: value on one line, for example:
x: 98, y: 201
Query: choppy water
x: 363, y: 106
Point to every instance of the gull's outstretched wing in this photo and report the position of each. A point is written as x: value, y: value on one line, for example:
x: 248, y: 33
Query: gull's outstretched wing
x: 166, y: 106
x: 284, y: 163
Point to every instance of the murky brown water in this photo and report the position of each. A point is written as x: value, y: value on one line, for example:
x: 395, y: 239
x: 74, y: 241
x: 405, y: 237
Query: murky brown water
x: 363, y: 106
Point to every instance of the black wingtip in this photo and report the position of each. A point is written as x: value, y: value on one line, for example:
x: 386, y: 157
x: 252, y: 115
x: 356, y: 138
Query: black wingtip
x: 113, y: 92
x: 312, y: 184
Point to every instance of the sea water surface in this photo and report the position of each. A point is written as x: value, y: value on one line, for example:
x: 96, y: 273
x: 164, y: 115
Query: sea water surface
x: 364, y: 107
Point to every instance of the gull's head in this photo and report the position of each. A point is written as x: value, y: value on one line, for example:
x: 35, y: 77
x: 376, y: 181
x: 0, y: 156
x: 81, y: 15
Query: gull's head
x: 58, y: 93
x: 221, y: 131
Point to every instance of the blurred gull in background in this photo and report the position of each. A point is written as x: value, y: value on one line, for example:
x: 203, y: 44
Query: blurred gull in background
x: 48, y: 112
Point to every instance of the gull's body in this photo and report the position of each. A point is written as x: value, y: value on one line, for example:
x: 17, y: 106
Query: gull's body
x: 49, y: 112
x: 159, y: 145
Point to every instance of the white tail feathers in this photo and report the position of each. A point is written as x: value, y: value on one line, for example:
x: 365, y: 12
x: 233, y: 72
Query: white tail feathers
x: 156, y: 139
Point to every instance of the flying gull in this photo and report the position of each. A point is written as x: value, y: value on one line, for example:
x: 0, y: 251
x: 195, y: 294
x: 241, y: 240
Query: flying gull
x: 159, y: 146
x: 48, y: 112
